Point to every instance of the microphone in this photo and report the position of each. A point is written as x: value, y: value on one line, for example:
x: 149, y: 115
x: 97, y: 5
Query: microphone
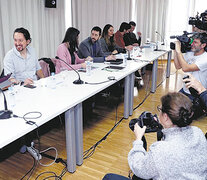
x: 78, y: 81
x: 162, y: 39
x: 5, y: 114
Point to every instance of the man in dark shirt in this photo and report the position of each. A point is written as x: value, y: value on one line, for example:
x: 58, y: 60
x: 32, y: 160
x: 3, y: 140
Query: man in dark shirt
x: 92, y: 47
x: 130, y: 37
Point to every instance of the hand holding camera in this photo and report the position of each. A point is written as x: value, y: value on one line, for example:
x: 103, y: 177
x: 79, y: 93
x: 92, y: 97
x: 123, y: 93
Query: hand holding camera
x: 193, y: 83
x: 146, y: 119
x: 193, y: 91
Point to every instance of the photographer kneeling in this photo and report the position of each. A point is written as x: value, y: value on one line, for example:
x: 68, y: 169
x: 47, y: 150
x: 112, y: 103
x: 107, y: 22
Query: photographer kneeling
x: 182, y: 152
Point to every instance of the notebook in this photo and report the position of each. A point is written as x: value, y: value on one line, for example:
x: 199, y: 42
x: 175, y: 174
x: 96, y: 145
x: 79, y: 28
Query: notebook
x: 117, y: 61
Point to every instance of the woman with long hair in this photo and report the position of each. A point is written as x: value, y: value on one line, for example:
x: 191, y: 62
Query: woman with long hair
x: 67, y: 51
x: 107, y: 41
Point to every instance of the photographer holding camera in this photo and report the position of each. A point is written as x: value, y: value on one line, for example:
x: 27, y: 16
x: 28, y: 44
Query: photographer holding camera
x: 194, y: 62
x: 182, y: 152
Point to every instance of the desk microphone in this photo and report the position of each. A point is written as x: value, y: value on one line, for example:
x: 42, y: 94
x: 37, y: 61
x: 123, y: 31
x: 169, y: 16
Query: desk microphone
x: 162, y: 39
x: 78, y: 81
x: 5, y: 114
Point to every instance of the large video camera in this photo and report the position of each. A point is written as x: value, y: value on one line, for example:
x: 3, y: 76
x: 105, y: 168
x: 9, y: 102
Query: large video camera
x: 147, y: 119
x: 199, y: 21
x: 185, y: 41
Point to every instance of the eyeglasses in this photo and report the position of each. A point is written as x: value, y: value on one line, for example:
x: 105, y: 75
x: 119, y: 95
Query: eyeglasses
x: 159, y: 108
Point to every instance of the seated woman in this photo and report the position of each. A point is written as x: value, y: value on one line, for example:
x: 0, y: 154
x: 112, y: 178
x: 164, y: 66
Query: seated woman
x: 182, y: 152
x: 67, y: 51
x: 108, y: 44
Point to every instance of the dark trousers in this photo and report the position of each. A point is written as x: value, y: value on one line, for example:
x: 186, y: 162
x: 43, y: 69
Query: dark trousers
x: 197, y: 105
x: 112, y: 176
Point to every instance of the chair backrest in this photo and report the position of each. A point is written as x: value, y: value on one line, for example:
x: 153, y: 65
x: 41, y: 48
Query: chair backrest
x: 2, y: 73
x: 47, y: 65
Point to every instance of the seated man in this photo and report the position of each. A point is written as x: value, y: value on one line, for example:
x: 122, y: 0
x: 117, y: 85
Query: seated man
x: 130, y: 37
x: 119, y: 36
x: 21, y: 60
x: 92, y: 47
x: 193, y: 62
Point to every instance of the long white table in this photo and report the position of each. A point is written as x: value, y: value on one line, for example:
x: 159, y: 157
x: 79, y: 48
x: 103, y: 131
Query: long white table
x: 68, y: 98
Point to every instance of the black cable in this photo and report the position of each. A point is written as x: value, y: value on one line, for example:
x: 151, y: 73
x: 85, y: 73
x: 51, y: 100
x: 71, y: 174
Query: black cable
x: 31, y: 169
x: 47, y: 172
x: 91, y: 150
x: 88, y: 153
x: 54, y: 174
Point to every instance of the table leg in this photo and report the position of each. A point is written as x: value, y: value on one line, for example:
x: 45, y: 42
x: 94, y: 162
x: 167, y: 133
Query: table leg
x: 79, y: 133
x: 154, y: 76
x: 169, y: 56
x: 126, y: 96
x: 131, y: 96
x: 70, y: 140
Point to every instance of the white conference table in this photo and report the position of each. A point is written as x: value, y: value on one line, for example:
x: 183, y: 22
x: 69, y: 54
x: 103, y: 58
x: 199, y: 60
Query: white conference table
x: 68, y: 98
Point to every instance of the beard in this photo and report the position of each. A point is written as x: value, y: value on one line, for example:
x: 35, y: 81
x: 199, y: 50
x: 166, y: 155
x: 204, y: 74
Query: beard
x: 19, y: 48
x: 195, y: 50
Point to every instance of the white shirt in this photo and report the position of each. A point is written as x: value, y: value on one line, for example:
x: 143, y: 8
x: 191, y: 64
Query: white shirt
x: 21, y: 68
x: 201, y: 62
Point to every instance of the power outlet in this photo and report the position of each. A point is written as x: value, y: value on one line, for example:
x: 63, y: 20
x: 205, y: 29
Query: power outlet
x: 34, y: 152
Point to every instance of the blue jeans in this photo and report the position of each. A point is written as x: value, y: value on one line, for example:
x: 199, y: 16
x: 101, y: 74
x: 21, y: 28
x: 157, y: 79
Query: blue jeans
x: 188, y: 95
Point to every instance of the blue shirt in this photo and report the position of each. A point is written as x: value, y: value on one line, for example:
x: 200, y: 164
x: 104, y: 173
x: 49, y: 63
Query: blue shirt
x: 21, y: 68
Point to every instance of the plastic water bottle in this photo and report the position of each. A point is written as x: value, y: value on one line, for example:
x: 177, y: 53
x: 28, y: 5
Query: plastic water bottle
x: 53, y: 81
x: 12, y: 101
x: 88, y: 68
x: 124, y: 60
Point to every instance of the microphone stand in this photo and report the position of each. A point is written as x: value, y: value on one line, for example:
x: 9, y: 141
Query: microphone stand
x: 78, y: 81
x: 163, y: 42
x: 5, y: 114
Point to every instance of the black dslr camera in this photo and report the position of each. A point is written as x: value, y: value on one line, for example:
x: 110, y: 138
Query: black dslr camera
x: 146, y: 119
x: 193, y: 91
x: 199, y: 21
x: 185, y: 41
x: 198, y: 106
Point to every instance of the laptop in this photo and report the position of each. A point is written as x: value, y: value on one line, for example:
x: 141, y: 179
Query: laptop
x: 5, y: 82
x: 114, y: 67
x: 117, y: 61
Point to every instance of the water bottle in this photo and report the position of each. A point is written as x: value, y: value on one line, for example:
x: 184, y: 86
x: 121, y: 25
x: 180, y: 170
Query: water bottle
x: 12, y: 101
x: 53, y: 81
x: 88, y: 68
x: 124, y: 60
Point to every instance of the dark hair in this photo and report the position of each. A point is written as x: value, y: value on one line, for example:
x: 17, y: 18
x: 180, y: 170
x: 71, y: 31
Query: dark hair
x: 71, y: 37
x: 24, y: 31
x: 132, y: 23
x: 201, y: 36
x: 105, y: 30
x: 109, y: 41
x: 178, y: 107
x: 124, y: 26
x: 96, y: 28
